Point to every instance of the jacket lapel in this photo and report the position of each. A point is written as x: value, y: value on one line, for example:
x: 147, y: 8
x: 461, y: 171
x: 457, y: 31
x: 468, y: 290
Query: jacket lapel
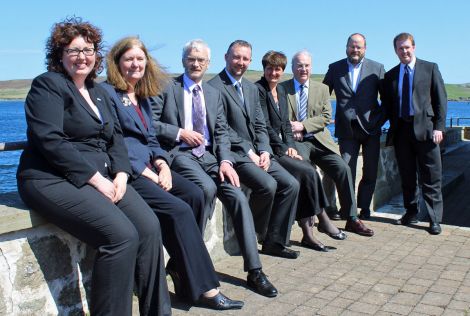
x: 365, y: 71
x: 130, y: 111
x: 211, y: 108
x: 272, y: 102
x: 291, y: 97
x: 179, y: 98
x: 344, y: 77
x: 233, y: 92
x: 81, y: 100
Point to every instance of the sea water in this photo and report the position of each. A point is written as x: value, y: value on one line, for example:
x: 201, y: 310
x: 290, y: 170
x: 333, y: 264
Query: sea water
x: 13, y: 128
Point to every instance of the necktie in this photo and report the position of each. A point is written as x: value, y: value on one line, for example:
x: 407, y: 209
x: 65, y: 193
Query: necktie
x: 302, y: 104
x: 405, y: 95
x: 238, y: 86
x: 198, y: 121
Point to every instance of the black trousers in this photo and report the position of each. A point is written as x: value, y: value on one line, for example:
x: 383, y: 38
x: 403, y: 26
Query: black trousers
x: 126, y: 237
x: 336, y: 168
x: 181, y: 235
x: 419, y: 158
x: 312, y: 199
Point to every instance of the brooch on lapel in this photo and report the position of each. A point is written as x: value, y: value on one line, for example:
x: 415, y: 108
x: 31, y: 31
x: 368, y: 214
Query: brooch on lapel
x: 126, y: 101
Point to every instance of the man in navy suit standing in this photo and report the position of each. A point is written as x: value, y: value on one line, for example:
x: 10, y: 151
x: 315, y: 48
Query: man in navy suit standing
x: 357, y: 82
x: 416, y: 102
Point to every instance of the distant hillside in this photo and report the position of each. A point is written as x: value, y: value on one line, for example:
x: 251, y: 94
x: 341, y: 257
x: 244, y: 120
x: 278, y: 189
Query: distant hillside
x: 17, y: 89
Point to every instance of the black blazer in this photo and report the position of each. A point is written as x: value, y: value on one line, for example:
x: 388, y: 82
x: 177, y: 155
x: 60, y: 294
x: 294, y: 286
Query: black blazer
x: 65, y: 137
x: 277, y: 118
x: 141, y: 142
x: 247, y: 127
x: 429, y: 100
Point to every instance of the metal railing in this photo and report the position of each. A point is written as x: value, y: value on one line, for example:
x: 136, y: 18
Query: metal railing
x: 457, y: 121
x: 10, y: 146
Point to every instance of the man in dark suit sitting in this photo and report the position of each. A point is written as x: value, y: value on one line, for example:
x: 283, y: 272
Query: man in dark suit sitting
x: 190, y: 122
x: 356, y: 82
x: 274, y: 191
x: 416, y: 102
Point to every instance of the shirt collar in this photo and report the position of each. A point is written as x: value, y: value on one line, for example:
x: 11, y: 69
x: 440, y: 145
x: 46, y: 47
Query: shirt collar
x: 189, y: 83
x: 412, y: 65
x: 297, y: 84
x: 231, y: 78
x: 351, y: 65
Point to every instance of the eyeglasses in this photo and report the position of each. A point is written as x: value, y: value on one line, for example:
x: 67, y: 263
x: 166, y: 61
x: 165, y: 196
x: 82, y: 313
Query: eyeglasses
x: 74, y: 52
x: 356, y: 47
x: 192, y: 60
x: 302, y: 66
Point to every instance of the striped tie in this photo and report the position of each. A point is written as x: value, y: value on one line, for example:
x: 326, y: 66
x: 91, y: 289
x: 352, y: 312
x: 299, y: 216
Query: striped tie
x: 198, y: 121
x: 302, y: 104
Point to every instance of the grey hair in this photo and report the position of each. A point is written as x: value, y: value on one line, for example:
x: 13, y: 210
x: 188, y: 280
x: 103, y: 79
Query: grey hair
x: 196, y: 44
x: 300, y: 52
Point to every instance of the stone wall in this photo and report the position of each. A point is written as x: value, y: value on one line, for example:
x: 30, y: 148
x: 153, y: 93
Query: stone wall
x: 45, y: 271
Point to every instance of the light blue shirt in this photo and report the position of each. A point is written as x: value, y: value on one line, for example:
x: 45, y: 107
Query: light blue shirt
x: 411, y: 67
x: 354, y: 74
x: 234, y: 82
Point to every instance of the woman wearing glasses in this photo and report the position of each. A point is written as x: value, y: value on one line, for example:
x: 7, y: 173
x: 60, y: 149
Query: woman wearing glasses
x: 134, y: 76
x: 74, y: 172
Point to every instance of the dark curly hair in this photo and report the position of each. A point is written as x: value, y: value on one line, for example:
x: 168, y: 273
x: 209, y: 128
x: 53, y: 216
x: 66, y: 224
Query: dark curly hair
x: 63, y: 33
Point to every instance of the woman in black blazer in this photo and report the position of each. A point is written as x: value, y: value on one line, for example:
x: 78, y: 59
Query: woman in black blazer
x: 74, y: 172
x: 312, y: 198
x: 133, y: 76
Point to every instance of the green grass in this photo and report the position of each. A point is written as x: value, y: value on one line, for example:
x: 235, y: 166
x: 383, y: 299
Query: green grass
x: 458, y: 92
x: 12, y: 94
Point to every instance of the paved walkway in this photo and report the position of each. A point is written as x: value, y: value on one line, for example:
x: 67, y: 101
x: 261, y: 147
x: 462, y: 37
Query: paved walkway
x: 399, y: 271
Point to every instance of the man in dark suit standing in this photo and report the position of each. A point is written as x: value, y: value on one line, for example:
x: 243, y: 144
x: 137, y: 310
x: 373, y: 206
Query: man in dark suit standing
x: 416, y: 102
x: 190, y: 122
x: 356, y: 82
x: 274, y: 191
x: 310, y: 113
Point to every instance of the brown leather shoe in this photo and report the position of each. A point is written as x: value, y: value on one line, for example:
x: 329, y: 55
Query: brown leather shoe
x: 358, y: 227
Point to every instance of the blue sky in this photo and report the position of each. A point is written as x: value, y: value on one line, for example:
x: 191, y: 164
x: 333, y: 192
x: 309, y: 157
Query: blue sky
x: 441, y: 29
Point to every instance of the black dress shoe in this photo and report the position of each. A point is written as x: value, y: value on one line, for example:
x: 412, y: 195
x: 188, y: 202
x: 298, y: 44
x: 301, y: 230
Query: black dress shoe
x: 407, y: 219
x: 339, y: 236
x: 435, y: 228
x: 365, y: 214
x: 219, y: 302
x: 317, y: 247
x: 279, y: 251
x: 258, y: 282
x: 333, y: 213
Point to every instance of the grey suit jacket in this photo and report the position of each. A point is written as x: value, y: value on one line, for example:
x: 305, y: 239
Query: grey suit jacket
x: 429, y: 100
x: 247, y: 127
x: 168, y: 118
x: 363, y: 104
x: 318, y: 111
